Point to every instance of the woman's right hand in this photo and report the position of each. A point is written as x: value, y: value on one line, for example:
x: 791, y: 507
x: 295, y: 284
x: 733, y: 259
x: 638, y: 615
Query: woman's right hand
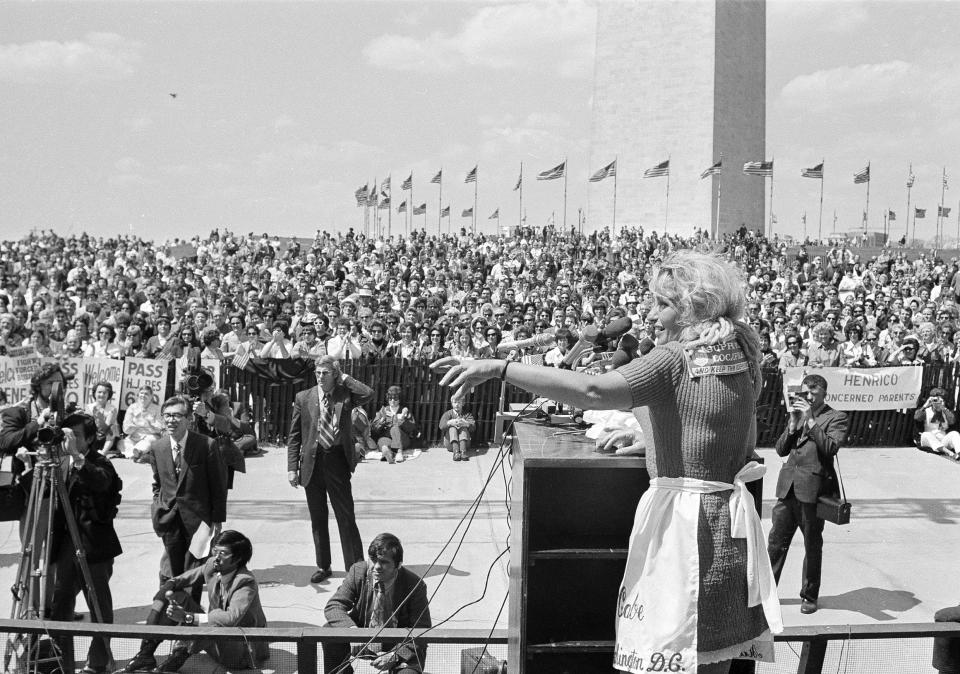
x: 466, y: 372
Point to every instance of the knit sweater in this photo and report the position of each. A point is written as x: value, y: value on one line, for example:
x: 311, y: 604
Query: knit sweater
x: 703, y: 428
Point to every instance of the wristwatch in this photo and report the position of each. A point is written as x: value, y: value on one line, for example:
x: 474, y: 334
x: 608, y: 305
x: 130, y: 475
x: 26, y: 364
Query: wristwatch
x: 189, y: 619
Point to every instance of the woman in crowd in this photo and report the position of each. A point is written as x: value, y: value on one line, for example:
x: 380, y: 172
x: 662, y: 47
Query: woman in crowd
x: 40, y: 343
x: 104, y: 347
x: 142, y: 425
x: 854, y: 352
x: 434, y: 349
x: 393, y: 427
x: 104, y: 410
x: 308, y: 346
x: 406, y: 347
x: 464, y: 345
x: 163, y: 343
x: 935, y: 421
x: 704, y: 423
x: 211, y: 345
x: 235, y: 336
x: 279, y: 345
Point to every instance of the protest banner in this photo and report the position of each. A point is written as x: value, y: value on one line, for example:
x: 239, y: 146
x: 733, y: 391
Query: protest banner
x: 16, y: 368
x: 93, y: 370
x: 857, y: 389
x: 140, y: 371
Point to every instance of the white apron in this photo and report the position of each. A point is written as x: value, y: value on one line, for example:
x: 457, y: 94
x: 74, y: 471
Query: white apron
x: 657, y: 604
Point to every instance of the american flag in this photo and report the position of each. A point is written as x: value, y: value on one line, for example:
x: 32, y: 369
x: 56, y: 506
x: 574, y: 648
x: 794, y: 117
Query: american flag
x: 385, y: 202
x: 241, y: 357
x: 420, y: 210
x: 658, y: 171
x: 554, y: 173
x: 863, y: 176
x: 910, y: 179
x: 372, y: 197
x: 445, y: 212
x: 815, y: 172
x: 495, y: 215
x: 402, y: 208
x: 467, y: 213
x: 919, y: 213
x: 943, y: 211
x: 764, y: 169
x: 891, y: 215
x: 361, y: 195
x: 437, y: 178
x: 532, y: 359
x: 408, y: 183
x: 519, y: 181
x: 385, y: 185
x: 713, y: 170
x: 604, y: 173
x: 945, y: 185
x: 472, y: 176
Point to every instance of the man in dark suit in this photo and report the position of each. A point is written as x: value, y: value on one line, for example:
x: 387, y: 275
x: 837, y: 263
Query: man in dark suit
x: 321, y: 457
x: 93, y: 487
x: 233, y: 601
x: 379, y: 593
x: 812, y: 438
x: 189, y: 491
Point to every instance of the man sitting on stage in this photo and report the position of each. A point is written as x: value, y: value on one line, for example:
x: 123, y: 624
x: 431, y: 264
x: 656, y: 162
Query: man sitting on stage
x: 233, y: 601
x: 379, y: 593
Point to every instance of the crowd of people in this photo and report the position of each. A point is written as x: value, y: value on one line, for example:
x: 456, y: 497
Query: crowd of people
x: 424, y: 297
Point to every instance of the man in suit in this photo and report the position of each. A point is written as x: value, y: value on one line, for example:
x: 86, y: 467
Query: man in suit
x: 379, y: 593
x: 189, y: 489
x: 93, y: 488
x: 233, y: 601
x: 812, y: 438
x: 321, y: 457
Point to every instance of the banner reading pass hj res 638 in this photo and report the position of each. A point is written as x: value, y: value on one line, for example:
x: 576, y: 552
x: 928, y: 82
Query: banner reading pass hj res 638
x: 852, y: 389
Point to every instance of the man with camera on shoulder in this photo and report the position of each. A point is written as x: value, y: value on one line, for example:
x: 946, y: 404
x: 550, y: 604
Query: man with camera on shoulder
x: 93, y: 488
x: 812, y: 438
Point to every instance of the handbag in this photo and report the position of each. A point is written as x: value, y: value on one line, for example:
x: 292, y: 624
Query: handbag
x: 13, y: 499
x: 833, y: 508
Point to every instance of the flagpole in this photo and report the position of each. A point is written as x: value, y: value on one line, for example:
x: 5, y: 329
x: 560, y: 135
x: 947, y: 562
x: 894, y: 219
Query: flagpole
x: 476, y: 179
x: 666, y: 210
x: 770, y: 234
x: 440, y: 202
x: 909, y: 187
x: 390, y: 209
x: 616, y: 166
x: 886, y: 214
x: 823, y: 164
x: 565, y: 193
x: 943, y: 194
x: 866, y: 211
x: 410, y: 210
x: 716, y: 226
x: 520, y: 214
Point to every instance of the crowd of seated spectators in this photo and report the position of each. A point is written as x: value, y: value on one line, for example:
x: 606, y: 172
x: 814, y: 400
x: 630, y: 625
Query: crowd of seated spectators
x: 420, y: 296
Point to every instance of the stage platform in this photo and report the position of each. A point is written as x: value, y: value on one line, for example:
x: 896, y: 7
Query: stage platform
x: 893, y: 563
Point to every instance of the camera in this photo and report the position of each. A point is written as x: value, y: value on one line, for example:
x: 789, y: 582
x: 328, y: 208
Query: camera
x: 195, y: 380
x: 52, y: 435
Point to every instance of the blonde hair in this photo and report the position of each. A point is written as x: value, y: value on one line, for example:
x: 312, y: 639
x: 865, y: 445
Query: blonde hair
x: 709, y: 296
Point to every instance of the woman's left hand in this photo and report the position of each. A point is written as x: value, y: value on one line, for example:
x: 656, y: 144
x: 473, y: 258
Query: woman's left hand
x: 466, y: 372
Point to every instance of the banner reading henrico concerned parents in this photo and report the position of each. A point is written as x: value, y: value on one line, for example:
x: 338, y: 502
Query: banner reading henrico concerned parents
x: 852, y: 389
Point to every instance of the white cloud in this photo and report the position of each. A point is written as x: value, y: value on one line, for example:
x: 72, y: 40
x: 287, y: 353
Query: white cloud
x: 98, y: 56
x: 832, y: 16
x: 525, y: 35
x: 837, y: 88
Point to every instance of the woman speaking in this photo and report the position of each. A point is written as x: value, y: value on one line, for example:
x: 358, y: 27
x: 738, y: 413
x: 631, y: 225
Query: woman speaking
x: 698, y: 588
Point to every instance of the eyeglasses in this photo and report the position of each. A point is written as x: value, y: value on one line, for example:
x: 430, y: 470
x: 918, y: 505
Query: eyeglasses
x: 173, y: 416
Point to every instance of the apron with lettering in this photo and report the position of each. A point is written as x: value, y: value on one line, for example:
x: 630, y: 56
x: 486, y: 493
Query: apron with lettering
x: 657, y: 604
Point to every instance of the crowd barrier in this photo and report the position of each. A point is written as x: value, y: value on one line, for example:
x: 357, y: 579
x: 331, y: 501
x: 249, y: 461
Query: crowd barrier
x: 807, y: 649
x: 274, y: 383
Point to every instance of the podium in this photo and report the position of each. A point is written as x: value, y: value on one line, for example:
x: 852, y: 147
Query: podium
x: 571, y: 520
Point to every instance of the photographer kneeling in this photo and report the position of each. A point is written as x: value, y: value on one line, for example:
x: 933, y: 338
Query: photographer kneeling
x: 934, y: 421
x: 93, y: 487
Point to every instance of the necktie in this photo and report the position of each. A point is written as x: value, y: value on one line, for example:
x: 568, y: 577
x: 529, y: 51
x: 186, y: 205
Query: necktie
x: 216, y: 599
x: 325, y: 436
x: 376, y: 612
x: 177, y: 453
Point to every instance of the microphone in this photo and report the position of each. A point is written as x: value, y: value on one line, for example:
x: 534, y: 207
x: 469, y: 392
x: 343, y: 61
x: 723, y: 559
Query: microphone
x: 614, y: 330
x: 544, y: 339
x: 629, y: 349
x: 586, y: 342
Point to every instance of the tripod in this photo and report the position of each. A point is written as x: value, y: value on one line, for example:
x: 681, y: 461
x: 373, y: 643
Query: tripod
x: 33, y: 585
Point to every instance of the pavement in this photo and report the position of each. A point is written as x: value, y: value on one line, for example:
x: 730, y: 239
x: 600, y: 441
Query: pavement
x: 893, y: 563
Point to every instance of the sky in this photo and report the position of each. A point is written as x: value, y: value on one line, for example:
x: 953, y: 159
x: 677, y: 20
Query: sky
x: 283, y: 110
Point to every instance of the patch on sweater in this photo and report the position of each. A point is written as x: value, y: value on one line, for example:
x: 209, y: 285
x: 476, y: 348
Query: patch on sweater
x: 716, y: 359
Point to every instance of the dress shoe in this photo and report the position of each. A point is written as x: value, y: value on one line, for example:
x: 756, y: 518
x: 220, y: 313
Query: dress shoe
x: 807, y: 606
x: 456, y: 456
x: 141, y: 662
x: 400, y: 458
x: 320, y: 575
x: 177, y: 659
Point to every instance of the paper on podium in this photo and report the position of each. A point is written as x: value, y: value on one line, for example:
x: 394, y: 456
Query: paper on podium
x: 200, y: 543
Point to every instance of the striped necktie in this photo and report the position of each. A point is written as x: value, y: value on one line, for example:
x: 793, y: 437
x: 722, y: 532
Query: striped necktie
x: 325, y: 435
